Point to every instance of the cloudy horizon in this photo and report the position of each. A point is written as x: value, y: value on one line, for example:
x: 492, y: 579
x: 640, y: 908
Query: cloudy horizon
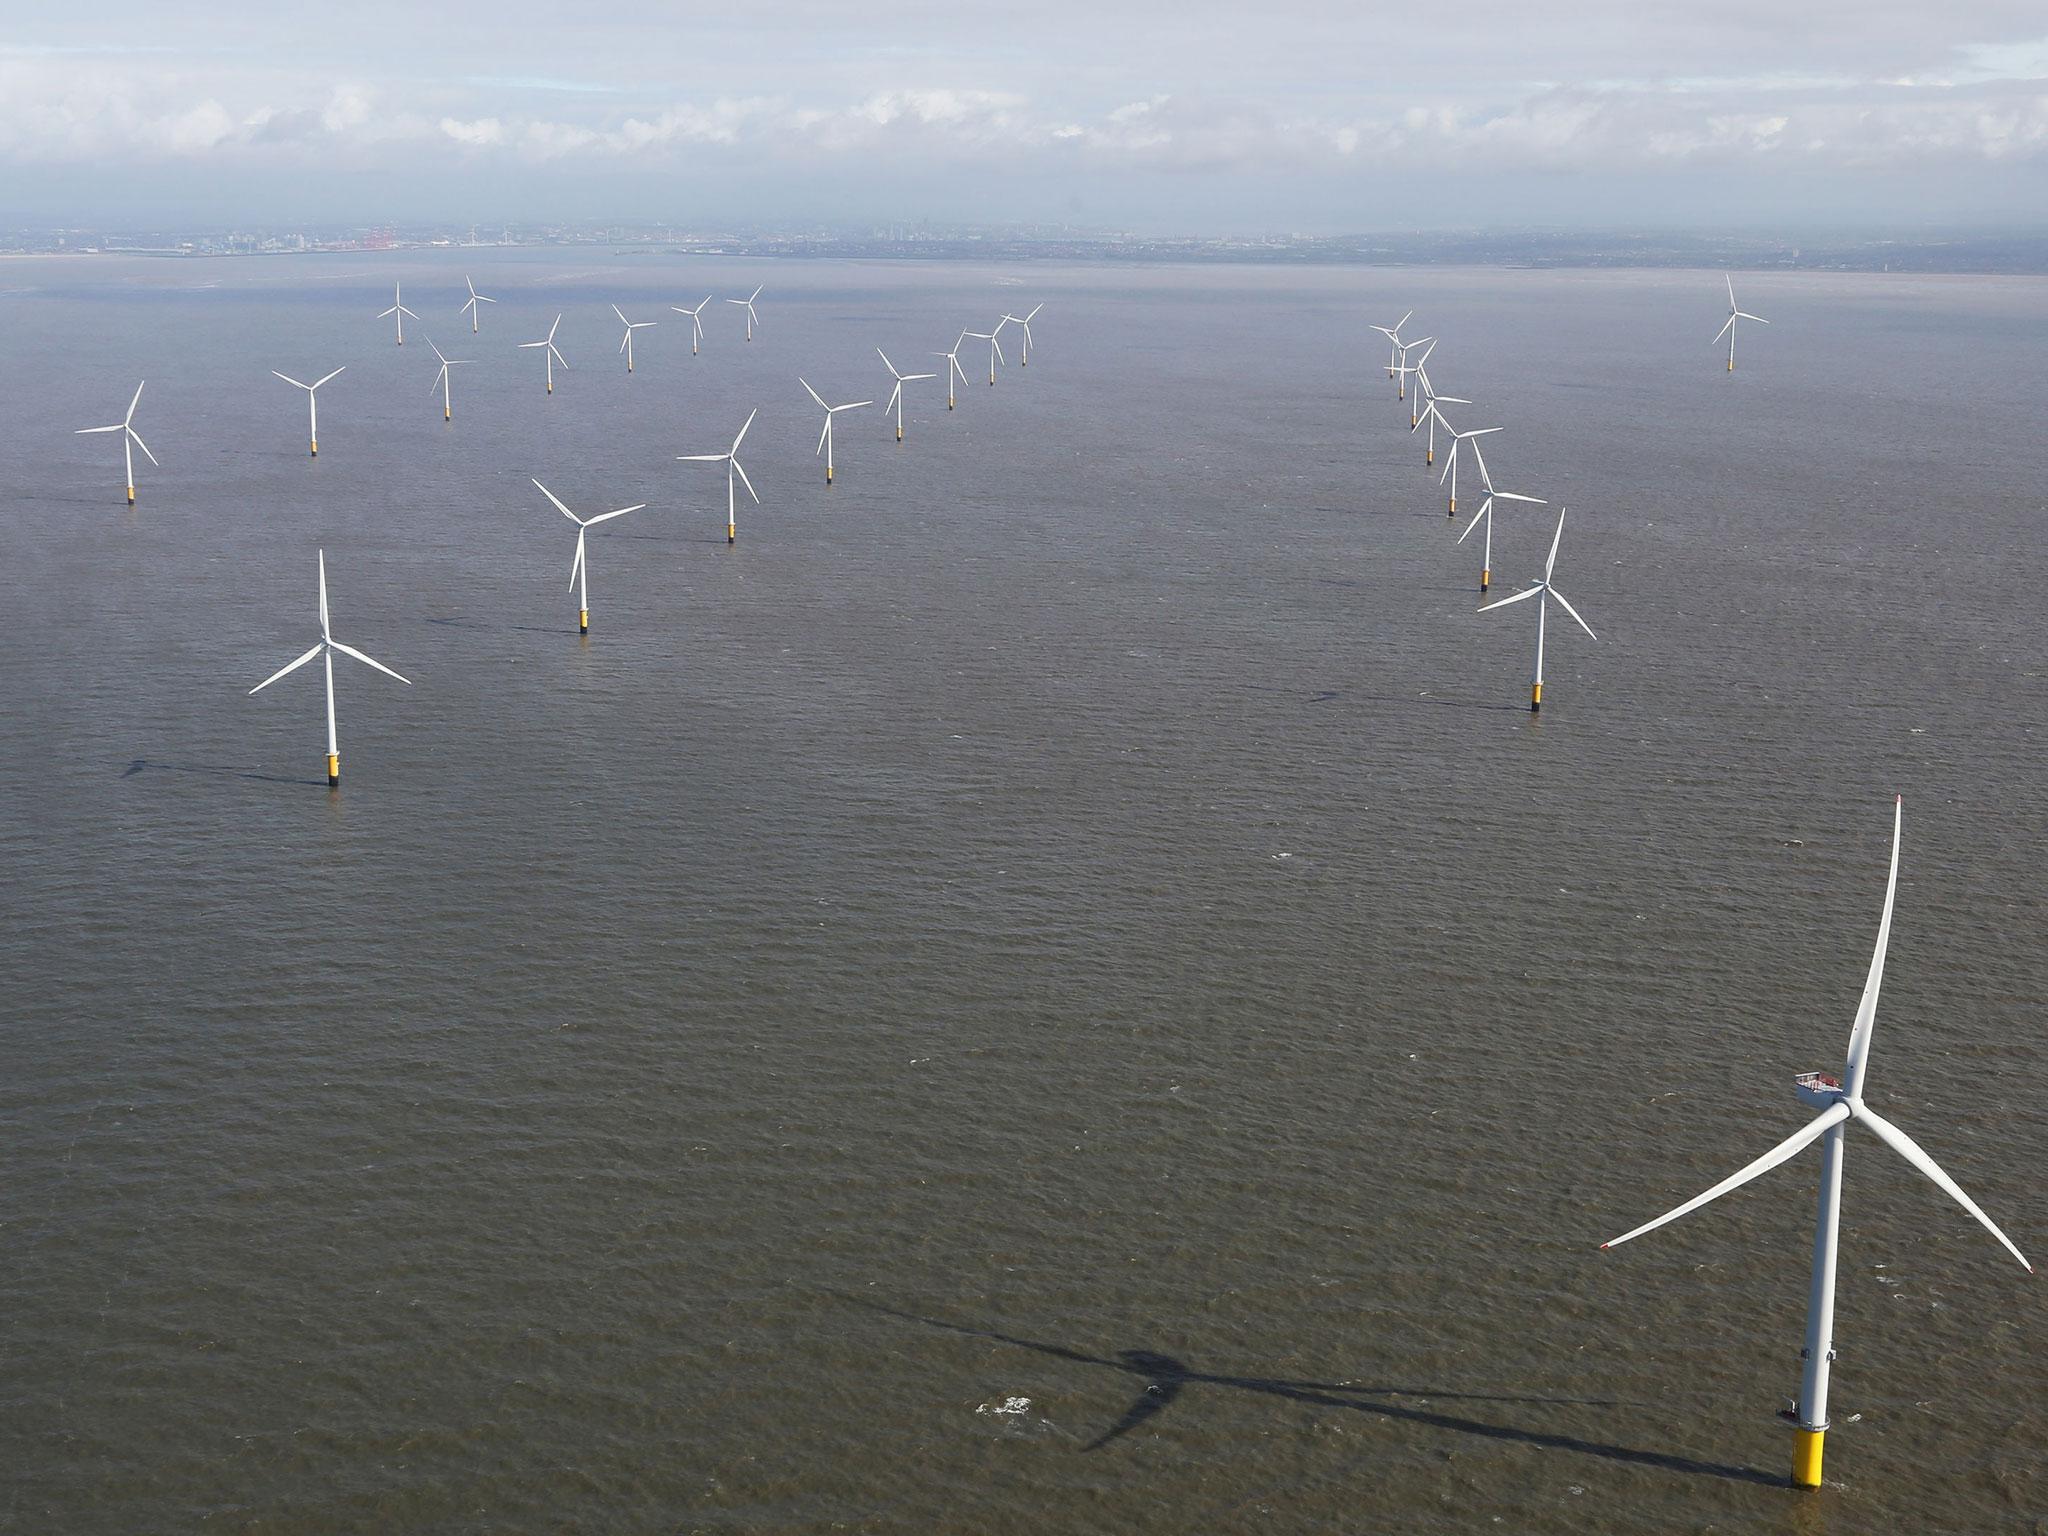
x: 1192, y: 118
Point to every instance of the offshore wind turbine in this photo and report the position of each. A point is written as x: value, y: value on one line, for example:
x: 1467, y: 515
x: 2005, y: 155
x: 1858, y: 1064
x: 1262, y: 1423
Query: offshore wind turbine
x: 1023, y: 321
x: 748, y: 304
x: 398, y: 308
x: 696, y: 321
x: 1458, y: 440
x: 447, y: 404
x: 312, y: 404
x: 553, y: 356
x: 579, y: 569
x: 1840, y: 1102
x: 1431, y: 415
x: 1543, y: 592
x: 1485, y: 515
x: 1734, y: 314
x: 1428, y: 345
x: 896, y: 395
x: 731, y: 460
x: 953, y: 368
x: 995, y: 349
x: 825, y: 437
x: 626, y: 346
x: 1393, y: 335
x: 470, y: 309
x: 130, y: 441
x: 326, y: 648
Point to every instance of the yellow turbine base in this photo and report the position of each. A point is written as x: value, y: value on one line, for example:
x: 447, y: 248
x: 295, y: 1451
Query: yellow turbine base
x: 1731, y: 365
x: 447, y: 414
x: 1535, y: 696
x: 131, y: 495
x: 899, y: 434
x: 1429, y: 457
x: 1806, y: 1456
x: 551, y: 389
x: 1485, y: 580
x: 333, y: 769
x: 732, y: 534
x: 316, y: 448
x: 828, y: 474
x: 1454, y: 506
x: 582, y: 621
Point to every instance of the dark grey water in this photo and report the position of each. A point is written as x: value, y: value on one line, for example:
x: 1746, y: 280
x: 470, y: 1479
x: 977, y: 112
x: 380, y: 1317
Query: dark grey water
x: 1078, y: 912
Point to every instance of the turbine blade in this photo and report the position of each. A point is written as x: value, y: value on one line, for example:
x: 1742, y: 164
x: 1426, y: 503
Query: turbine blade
x: 1504, y: 601
x: 1568, y: 608
x: 605, y: 517
x: 1866, y: 1008
x: 1912, y: 1152
x: 285, y: 376
x: 324, y: 633
x: 334, y: 375
x: 1724, y: 329
x: 551, y: 496
x: 894, y: 395
x: 745, y: 481
x: 292, y: 667
x: 887, y: 364
x: 621, y: 314
x: 823, y: 433
x: 84, y: 431
x: 813, y: 394
x: 743, y: 430
x: 135, y: 402
x: 1476, y: 516
x: 576, y: 564
x: 143, y: 446
x: 1790, y: 1147
x: 368, y: 661
x: 1555, y: 538
x: 702, y: 458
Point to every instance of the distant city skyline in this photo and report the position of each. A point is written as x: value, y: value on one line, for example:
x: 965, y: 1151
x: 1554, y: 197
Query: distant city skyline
x: 1193, y: 118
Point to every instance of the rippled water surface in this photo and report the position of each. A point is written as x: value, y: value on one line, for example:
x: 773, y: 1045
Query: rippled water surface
x: 1057, y: 986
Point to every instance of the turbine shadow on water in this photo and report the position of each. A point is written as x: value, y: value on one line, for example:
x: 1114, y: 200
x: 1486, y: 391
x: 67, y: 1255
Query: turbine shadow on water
x: 1165, y: 1378
x: 211, y: 770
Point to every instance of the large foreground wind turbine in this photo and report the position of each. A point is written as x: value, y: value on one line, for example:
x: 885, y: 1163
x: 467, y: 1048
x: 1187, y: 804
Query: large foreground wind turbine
x: 447, y: 403
x: 631, y: 326
x: 1023, y: 322
x: 748, y: 304
x: 470, y: 309
x: 896, y: 395
x: 1543, y: 592
x: 1734, y: 314
x: 825, y: 437
x: 696, y: 321
x: 579, y: 569
x: 1485, y: 515
x: 553, y: 356
x: 731, y: 460
x: 130, y: 441
x: 1839, y: 1102
x: 398, y: 308
x: 312, y: 403
x: 953, y: 368
x: 326, y: 648
x: 1393, y: 335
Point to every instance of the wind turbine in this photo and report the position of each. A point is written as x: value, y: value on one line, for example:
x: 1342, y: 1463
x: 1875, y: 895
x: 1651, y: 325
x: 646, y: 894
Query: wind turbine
x: 1458, y: 440
x: 896, y: 395
x: 631, y: 326
x: 953, y: 368
x: 731, y: 460
x: 398, y: 308
x: 1025, y: 322
x: 553, y: 356
x: 1393, y: 335
x: 470, y: 309
x: 1839, y: 1102
x: 579, y: 569
x: 447, y: 405
x: 1431, y: 415
x: 995, y: 349
x: 326, y: 648
x: 825, y: 437
x: 312, y: 404
x: 1734, y: 314
x: 1543, y: 592
x: 748, y: 304
x: 1485, y: 515
x: 1428, y: 345
x: 129, y: 442
x: 696, y: 321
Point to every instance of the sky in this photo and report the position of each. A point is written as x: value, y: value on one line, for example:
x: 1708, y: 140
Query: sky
x: 1194, y: 117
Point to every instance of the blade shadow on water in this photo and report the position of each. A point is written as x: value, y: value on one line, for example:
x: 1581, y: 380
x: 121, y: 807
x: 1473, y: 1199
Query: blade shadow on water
x: 1166, y: 1379
x: 217, y: 771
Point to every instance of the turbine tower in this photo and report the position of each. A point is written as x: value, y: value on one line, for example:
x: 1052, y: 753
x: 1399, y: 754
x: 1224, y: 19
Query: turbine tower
x: 748, y: 304
x: 825, y: 437
x: 1840, y: 1102
x: 312, y: 404
x: 1734, y: 314
x: 579, y: 568
x: 1543, y: 592
x: 696, y: 321
x: 553, y: 356
x: 447, y: 404
x: 953, y: 369
x: 896, y: 395
x: 470, y: 309
x: 626, y: 346
x: 398, y: 308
